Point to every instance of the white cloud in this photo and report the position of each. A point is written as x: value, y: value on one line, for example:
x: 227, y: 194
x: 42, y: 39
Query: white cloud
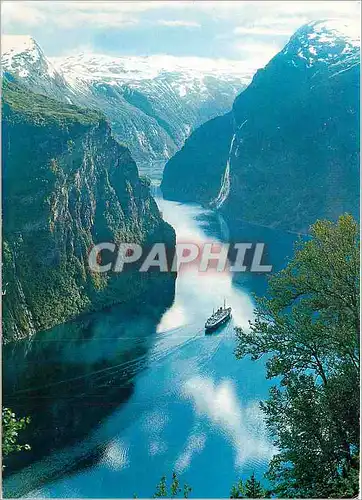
x: 101, y: 20
x: 154, y: 422
x: 157, y: 448
x: 226, y: 24
x: 13, y: 13
x: 331, y: 8
x: 153, y: 425
x: 69, y: 14
x: 118, y: 13
x: 195, y: 444
x: 256, y: 54
x: 186, y: 24
x: 262, y: 30
x: 116, y: 455
x: 243, y: 425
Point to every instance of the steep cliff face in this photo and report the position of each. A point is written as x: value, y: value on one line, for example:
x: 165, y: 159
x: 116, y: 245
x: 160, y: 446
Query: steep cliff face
x: 67, y: 184
x: 152, y: 103
x: 195, y: 172
x: 293, y: 151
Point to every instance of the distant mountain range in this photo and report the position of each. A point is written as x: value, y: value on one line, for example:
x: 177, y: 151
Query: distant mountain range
x: 288, y: 153
x: 152, y: 103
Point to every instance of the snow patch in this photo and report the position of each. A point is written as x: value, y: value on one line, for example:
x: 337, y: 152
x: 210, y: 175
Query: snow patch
x: 182, y: 91
x: 136, y: 68
x: 325, y: 41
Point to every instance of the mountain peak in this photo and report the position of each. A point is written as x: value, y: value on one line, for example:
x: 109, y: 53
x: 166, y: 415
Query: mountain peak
x: 24, y: 59
x: 18, y: 52
x: 16, y: 44
x: 328, y: 31
x: 91, y: 66
x: 326, y: 41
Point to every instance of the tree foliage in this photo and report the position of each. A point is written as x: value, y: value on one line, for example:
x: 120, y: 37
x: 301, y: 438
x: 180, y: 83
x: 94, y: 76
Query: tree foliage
x: 252, y: 488
x: 175, y: 488
x: 308, y: 329
x: 11, y: 426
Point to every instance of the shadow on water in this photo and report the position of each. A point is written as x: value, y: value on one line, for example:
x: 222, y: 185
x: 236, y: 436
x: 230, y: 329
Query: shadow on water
x: 234, y: 231
x: 101, y: 420
x: 273, y: 239
x: 71, y: 378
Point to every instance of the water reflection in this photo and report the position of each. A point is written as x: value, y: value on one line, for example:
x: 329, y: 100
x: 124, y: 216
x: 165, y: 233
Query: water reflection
x: 155, y: 393
x: 198, y: 293
x: 69, y: 379
x: 242, y: 424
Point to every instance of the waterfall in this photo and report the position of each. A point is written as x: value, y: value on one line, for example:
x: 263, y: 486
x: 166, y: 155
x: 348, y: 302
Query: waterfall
x: 154, y: 189
x: 225, y: 185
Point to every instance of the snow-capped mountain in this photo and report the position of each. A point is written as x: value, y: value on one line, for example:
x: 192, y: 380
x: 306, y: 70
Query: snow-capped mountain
x: 152, y: 103
x: 22, y: 58
x: 291, y: 143
x: 324, y: 43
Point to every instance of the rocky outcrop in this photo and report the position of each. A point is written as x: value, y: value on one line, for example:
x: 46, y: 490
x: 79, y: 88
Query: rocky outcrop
x: 293, y: 148
x: 67, y: 184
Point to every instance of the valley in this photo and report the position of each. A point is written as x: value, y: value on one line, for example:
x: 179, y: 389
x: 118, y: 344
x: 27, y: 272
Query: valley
x: 152, y: 103
x: 121, y: 382
x: 290, y: 142
x: 123, y: 393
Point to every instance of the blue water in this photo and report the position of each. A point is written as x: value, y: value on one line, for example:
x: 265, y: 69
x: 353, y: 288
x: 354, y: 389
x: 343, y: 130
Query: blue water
x: 121, y: 399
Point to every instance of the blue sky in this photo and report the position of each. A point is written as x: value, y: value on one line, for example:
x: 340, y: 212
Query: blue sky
x: 240, y: 30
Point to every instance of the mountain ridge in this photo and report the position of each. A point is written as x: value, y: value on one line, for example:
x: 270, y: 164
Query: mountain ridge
x: 293, y: 128
x: 152, y: 103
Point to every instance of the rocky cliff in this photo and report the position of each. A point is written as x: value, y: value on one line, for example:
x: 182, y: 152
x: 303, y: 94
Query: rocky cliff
x: 195, y: 172
x: 67, y: 184
x: 292, y: 152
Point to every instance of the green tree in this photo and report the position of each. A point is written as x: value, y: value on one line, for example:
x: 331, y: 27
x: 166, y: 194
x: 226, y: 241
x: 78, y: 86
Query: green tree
x: 161, y: 488
x: 145, y: 181
x: 11, y: 426
x: 237, y: 490
x: 250, y: 489
x: 308, y: 328
x: 253, y: 488
x: 175, y: 488
x: 187, y: 490
x: 175, y: 485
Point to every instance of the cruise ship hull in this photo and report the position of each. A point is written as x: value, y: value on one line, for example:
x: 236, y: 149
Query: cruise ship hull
x: 215, y: 326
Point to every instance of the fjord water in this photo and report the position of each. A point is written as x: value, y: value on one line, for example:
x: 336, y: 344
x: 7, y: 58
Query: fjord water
x: 120, y: 398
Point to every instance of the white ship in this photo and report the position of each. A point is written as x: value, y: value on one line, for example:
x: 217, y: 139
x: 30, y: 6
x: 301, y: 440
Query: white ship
x: 222, y: 315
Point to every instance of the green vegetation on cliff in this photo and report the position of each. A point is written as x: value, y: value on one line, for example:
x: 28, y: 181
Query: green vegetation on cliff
x: 308, y: 328
x: 41, y: 109
x: 67, y: 185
